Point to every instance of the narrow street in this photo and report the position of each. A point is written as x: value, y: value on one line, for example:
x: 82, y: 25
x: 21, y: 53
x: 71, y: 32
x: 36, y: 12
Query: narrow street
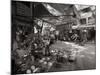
x: 85, y: 60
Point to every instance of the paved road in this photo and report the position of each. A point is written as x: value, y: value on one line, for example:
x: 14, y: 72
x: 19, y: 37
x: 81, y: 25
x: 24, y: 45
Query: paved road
x: 86, y: 59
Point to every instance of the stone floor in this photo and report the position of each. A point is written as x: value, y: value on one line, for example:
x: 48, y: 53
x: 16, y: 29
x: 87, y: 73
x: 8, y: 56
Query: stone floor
x: 86, y: 59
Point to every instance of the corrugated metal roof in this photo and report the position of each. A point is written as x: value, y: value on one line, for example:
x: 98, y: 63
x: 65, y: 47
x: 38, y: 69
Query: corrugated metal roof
x: 64, y: 13
x: 59, y: 22
x: 58, y: 9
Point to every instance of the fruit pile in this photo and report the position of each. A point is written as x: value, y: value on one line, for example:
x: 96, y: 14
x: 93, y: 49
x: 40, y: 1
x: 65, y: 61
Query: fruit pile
x: 42, y: 65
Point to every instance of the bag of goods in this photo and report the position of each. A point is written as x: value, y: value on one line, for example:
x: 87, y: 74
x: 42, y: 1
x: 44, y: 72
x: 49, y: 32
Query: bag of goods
x: 41, y: 61
x: 65, y: 56
x: 48, y: 58
x: 72, y: 56
x: 50, y: 64
x: 37, y: 70
x: 33, y: 67
x: 44, y: 62
x: 54, y: 51
x: 44, y: 58
x: 28, y: 71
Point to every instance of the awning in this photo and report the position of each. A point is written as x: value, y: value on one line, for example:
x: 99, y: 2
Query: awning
x: 83, y: 26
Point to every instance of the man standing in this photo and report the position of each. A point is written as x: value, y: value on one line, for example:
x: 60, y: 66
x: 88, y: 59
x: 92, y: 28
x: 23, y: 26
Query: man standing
x: 84, y: 36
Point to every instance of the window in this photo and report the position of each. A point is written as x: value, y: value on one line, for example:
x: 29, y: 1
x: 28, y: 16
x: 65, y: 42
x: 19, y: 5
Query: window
x: 83, y: 21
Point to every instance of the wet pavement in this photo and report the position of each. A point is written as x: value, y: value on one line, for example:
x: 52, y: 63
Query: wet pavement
x: 86, y: 59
